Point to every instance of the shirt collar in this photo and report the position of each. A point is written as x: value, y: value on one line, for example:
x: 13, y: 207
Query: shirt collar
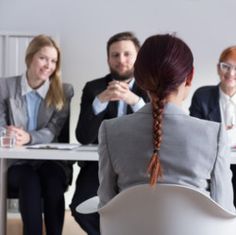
x: 131, y: 83
x: 225, y: 97
x: 42, y: 90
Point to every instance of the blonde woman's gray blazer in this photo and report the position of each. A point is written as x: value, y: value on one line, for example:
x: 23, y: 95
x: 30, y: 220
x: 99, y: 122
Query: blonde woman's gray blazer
x: 193, y: 153
x: 13, y: 111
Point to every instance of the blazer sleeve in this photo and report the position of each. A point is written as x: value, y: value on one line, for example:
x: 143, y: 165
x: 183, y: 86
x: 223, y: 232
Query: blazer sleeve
x: 107, y: 176
x: 221, y: 184
x: 49, y: 132
x: 196, y: 107
x: 89, y: 123
x: 3, y: 107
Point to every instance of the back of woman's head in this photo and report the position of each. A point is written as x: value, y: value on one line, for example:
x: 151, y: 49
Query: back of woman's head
x: 162, y: 65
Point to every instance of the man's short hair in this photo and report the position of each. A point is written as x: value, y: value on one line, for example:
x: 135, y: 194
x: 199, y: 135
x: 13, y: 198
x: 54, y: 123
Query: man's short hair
x: 129, y: 36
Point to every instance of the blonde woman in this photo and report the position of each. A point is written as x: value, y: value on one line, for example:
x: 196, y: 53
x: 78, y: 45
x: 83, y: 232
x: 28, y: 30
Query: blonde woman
x: 35, y: 107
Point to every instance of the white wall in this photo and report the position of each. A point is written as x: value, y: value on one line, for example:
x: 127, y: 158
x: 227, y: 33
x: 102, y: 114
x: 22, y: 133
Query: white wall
x: 84, y: 26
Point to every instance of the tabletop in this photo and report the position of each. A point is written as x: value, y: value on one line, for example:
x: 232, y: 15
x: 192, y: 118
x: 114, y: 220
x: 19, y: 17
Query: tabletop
x: 52, y: 152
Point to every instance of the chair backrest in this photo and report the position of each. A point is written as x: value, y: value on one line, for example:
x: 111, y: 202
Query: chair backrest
x: 165, y: 210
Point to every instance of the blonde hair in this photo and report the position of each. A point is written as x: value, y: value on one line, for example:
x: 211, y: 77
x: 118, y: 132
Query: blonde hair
x: 55, y: 96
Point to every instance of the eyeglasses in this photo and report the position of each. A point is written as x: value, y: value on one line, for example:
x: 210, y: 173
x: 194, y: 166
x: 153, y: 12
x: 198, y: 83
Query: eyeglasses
x: 227, y: 68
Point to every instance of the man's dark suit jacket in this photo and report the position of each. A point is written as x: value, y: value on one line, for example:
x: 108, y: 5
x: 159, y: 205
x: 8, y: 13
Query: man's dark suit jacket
x: 89, y: 123
x: 87, y: 133
x: 205, y: 103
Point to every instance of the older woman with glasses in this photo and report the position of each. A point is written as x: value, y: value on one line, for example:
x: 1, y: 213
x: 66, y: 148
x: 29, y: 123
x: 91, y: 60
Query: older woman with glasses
x: 218, y: 103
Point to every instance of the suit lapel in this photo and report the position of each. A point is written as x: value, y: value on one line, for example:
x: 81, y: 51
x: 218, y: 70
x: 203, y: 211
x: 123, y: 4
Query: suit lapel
x: 17, y: 106
x: 214, y: 107
x: 214, y: 115
x: 136, y: 90
x: 44, y: 115
x: 18, y: 111
x: 19, y: 116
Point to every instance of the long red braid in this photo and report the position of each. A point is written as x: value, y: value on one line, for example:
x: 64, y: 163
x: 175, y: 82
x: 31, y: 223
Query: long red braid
x: 154, y: 166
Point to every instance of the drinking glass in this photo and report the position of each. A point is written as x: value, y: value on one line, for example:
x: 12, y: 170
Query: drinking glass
x: 7, y: 139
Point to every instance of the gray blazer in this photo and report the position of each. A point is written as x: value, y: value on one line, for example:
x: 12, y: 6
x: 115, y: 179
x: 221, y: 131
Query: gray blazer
x: 193, y: 153
x: 13, y: 111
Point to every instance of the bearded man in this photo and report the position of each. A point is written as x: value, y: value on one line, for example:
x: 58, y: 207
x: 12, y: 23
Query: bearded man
x: 112, y: 96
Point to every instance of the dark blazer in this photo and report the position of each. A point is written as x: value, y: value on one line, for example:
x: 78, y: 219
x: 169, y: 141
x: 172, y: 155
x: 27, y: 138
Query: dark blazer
x: 89, y: 123
x: 205, y: 103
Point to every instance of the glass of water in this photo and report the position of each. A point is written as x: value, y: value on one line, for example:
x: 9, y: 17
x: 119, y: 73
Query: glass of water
x: 7, y: 139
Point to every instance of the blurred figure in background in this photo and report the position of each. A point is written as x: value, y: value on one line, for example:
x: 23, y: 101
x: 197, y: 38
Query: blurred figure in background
x: 218, y: 103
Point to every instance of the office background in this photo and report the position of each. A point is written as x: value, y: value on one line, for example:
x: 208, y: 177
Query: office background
x: 84, y: 26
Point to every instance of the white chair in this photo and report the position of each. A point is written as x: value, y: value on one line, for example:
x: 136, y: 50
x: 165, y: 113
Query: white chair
x: 165, y: 209
x: 88, y: 206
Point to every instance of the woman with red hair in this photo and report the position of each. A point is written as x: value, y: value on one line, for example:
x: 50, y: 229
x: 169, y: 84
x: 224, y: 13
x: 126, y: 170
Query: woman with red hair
x: 161, y: 143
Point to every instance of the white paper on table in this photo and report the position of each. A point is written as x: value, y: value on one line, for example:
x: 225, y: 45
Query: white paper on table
x: 62, y: 146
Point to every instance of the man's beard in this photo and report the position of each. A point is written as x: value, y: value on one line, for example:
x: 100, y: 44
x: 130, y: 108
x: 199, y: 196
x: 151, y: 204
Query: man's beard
x: 126, y: 76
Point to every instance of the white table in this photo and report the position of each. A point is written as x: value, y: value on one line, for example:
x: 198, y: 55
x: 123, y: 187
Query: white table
x: 82, y: 153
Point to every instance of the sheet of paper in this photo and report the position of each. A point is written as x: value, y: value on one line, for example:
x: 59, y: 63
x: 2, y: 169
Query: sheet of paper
x: 62, y: 146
